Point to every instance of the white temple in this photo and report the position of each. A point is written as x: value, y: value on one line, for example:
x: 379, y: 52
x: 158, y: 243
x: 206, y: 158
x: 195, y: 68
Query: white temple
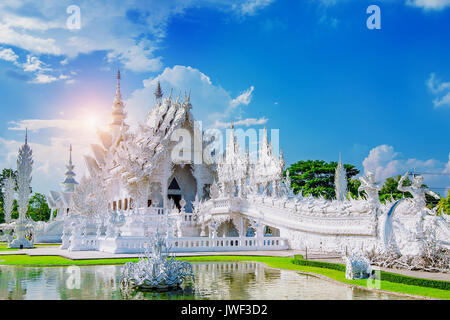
x: 139, y: 183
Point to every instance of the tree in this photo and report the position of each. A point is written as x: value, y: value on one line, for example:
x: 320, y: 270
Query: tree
x: 352, y: 188
x: 38, y: 208
x: 443, y: 205
x: 390, y: 189
x: 316, y: 177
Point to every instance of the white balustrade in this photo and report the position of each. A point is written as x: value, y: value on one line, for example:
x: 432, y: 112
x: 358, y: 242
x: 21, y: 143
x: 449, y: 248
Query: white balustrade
x: 186, y: 244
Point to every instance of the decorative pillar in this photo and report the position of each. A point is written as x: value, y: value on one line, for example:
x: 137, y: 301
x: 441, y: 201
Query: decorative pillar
x: 241, y: 227
x: 198, y: 178
x: 165, y: 186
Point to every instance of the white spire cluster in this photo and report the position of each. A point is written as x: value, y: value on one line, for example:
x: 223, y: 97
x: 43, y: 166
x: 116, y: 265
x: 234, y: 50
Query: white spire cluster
x: 340, y: 181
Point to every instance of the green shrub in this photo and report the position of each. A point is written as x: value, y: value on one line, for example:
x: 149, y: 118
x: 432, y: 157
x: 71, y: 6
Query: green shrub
x: 319, y: 264
x: 398, y: 278
x: 385, y: 276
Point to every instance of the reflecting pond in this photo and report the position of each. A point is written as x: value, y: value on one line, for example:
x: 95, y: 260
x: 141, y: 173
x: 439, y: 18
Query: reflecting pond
x: 236, y: 280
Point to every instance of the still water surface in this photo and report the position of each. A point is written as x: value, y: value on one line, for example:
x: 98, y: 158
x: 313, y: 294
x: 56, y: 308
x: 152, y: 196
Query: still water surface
x: 238, y: 280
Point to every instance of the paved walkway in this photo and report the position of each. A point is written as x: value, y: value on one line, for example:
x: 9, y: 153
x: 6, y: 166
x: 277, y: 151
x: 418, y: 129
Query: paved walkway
x: 333, y: 258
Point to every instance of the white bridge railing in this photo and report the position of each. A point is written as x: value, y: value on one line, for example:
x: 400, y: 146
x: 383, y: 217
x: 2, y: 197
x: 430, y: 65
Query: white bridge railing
x: 183, y: 244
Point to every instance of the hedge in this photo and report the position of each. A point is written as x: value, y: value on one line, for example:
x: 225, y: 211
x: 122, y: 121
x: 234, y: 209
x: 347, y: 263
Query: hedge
x: 398, y: 278
x: 319, y: 264
x: 385, y: 276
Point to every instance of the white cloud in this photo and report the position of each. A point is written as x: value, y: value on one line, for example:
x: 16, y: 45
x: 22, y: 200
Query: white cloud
x: 44, y: 78
x: 34, y: 64
x: 39, y: 124
x: 250, y: 7
x: 210, y: 102
x: 429, y: 4
x: 243, y: 99
x: 8, y: 55
x: 42, y: 72
x: 384, y: 162
x: 129, y: 32
x: 244, y: 122
x: 437, y: 86
x: 444, y: 101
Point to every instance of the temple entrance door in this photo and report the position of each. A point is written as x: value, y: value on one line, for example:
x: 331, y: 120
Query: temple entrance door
x: 182, y: 184
x: 174, y: 193
x: 176, y: 199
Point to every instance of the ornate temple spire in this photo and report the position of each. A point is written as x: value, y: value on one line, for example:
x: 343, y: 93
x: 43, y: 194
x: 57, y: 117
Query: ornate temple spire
x: 68, y: 185
x: 158, y: 92
x: 24, y: 169
x: 340, y: 181
x: 118, y: 114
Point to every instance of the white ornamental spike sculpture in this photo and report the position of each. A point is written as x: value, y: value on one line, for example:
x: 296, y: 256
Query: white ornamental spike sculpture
x: 8, y: 198
x: 340, y: 181
x: 24, y: 168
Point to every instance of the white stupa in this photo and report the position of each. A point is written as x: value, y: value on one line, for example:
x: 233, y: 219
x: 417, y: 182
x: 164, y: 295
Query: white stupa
x: 69, y: 183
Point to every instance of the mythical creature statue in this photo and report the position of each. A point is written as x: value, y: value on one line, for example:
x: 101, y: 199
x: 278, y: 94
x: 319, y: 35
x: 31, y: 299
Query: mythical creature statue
x: 357, y: 267
x: 115, y: 221
x: 418, y: 192
x: 371, y: 188
x: 213, y: 226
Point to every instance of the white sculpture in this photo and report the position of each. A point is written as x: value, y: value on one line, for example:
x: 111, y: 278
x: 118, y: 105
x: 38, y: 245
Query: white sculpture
x: 340, y: 181
x: 369, y: 185
x: 8, y: 197
x: 357, y: 267
x: 156, y: 270
x: 90, y: 197
x: 24, y: 168
x: 417, y: 191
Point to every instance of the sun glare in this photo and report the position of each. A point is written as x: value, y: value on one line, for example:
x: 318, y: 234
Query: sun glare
x: 91, y: 121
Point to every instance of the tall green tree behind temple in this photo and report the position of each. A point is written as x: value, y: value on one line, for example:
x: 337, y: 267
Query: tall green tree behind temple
x: 38, y: 209
x: 316, y: 177
x: 390, y: 189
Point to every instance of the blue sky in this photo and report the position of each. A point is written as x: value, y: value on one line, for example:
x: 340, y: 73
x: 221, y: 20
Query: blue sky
x: 309, y: 68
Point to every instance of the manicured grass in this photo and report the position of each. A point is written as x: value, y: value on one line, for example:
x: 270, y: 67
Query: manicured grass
x: 274, y: 262
x: 4, y: 247
x: 25, y: 260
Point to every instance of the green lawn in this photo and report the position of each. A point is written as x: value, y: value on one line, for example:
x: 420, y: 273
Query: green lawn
x: 4, y: 247
x: 275, y: 262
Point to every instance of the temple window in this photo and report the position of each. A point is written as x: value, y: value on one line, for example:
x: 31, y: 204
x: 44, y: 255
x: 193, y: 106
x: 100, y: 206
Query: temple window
x: 120, y: 204
x: 125, y: 205
x: 114, y: 206
x: 149, y: 203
